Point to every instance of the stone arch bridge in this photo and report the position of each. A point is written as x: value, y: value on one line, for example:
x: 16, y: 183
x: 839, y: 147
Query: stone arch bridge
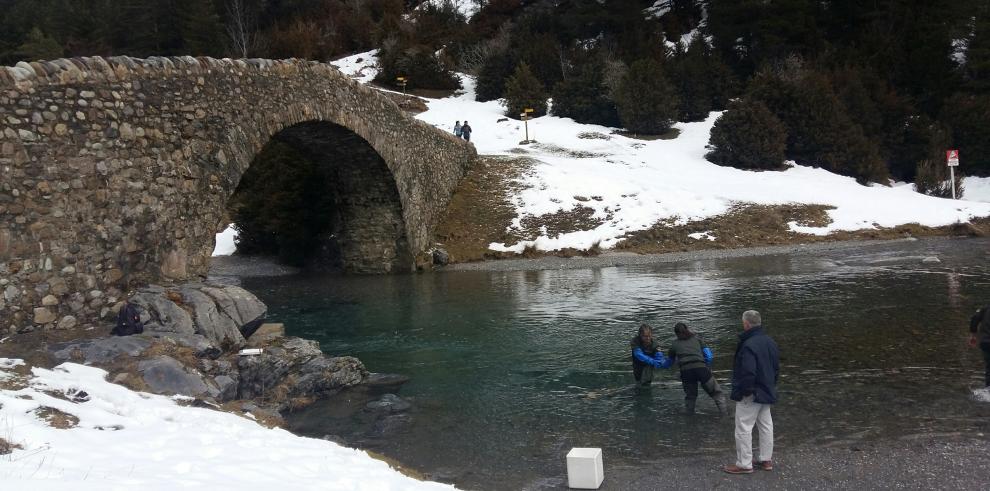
x: 117, y: 171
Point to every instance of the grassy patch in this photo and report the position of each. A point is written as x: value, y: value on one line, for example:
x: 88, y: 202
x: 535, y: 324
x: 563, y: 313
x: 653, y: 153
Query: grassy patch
x: 56, y: 418
x: 759, y: 225
x: 480, y: 211
x: 7, y: 447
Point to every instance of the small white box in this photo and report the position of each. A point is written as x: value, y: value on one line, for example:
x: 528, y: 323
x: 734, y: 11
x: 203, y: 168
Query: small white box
x: 250, y: 351
x: 585, y: 469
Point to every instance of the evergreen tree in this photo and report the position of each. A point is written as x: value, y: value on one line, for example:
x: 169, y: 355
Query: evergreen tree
x: 523, y: 90
x: 201, y: 28
x: 703, y: 82
x: 820, y: 131
x: 977, y: 64
x: 583, y: 96
x: 748, y: 136
x: 38, y: 46
x: 490, y: 84
x: 646, y: 101
x: 969, y: 117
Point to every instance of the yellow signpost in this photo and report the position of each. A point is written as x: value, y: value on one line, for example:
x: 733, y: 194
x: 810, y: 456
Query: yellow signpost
x: 525, y: 117
x: 402, y: 83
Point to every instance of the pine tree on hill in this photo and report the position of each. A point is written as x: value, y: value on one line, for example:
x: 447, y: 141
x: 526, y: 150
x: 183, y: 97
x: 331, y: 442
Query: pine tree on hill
x: 748, y: 136
x: 820, y: 131
x: 646, y: 100
x: 583, y: 96
x: 523, y: 90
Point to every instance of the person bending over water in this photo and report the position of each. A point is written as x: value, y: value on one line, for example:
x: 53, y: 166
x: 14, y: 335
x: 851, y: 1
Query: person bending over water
x: 646, y: 356
x: 693, y: 357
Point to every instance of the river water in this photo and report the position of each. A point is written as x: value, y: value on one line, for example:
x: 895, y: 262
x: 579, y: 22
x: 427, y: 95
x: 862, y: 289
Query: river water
x: 509, y: 370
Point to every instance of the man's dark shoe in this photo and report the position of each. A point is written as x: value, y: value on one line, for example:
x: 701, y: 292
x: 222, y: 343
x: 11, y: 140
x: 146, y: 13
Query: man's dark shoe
x: 735, y: 469
x: 766, y: 465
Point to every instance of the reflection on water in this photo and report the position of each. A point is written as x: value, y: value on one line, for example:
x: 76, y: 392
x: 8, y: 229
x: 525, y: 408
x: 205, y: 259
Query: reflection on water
x: 512, y: 369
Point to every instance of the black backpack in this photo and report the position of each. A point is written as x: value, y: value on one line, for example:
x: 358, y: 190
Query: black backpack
x: 128, y: 321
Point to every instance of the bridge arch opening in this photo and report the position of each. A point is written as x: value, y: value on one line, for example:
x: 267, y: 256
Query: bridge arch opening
x: 319, y: 196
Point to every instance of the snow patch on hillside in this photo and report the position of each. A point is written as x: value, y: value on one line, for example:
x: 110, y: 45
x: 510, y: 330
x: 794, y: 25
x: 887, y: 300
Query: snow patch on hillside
x: 131, y: 440
x: 362, y: 67
x: 641, y: 182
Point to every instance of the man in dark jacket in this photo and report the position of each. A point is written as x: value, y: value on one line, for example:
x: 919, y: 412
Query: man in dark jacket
x: 979, y: 328
x: 755, y: 372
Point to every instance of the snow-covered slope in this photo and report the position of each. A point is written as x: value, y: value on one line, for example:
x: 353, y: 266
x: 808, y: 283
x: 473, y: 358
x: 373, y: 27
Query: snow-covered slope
x: 127, y: 440
x: 637, y: 182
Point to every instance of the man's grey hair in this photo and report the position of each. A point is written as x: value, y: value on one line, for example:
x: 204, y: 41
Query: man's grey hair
x: 753, y: 318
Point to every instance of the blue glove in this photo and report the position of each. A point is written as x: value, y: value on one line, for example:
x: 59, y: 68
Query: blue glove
x: 662, y: 361
x: 709, y: 356
x: 638, y: 353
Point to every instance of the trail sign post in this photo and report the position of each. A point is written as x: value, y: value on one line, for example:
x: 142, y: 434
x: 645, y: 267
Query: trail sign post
x: 952, y: 160
x: 402, y: 83
x: 525, y: 117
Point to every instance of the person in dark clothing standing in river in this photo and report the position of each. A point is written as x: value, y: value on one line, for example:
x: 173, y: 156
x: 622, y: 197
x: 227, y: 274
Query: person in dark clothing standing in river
x: 755, y: 372
x: 693, y: 357
x: 979, y: 328
x: 646, y: 355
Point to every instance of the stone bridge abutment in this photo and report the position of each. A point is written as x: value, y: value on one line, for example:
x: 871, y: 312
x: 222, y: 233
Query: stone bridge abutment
x: 116, y: 172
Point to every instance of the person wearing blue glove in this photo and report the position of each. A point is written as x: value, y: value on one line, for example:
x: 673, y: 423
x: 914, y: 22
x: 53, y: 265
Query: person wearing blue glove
x: 646, y: 355
x: 693, y: 358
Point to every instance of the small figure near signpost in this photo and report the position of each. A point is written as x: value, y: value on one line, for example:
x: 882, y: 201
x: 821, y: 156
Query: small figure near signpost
x: 952, y: 160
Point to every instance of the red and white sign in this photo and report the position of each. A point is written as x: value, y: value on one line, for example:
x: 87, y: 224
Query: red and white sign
x: 952, y: 158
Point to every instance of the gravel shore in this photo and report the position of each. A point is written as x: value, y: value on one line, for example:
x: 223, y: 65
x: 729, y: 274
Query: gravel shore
x: 610, y: 259
x: 935, y: 462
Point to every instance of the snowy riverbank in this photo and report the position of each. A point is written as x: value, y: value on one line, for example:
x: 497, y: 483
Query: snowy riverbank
x: 118, y: 439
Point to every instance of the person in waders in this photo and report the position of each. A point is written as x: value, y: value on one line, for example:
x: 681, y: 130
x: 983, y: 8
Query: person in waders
x: 646, y: 355
x: 693, y: 357
x: 979, y: 328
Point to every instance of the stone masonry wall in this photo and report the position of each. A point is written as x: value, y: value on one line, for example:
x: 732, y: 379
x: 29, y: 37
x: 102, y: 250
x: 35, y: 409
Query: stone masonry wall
x: 115, y: 172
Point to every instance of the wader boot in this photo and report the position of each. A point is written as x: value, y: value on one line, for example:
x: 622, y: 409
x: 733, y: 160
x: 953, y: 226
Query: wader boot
x: 689, y: 405
x: 712, y: 388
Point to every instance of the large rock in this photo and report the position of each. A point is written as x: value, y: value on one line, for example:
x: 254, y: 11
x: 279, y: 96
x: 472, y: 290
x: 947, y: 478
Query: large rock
x: 294, y: 368
x: 165, y: 375
x: 100, y: 351
x: 220, y: 313
x: 160, y: 313
x: 216, y: 327
x: 240, y: 305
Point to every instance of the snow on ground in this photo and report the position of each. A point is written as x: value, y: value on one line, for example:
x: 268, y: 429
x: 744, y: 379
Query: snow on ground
x: 467, y: 8
x: 363, y: 67
x: 640, y: 182
x: 149, y: 442
x: 225, y: 242
x: 977, y: 189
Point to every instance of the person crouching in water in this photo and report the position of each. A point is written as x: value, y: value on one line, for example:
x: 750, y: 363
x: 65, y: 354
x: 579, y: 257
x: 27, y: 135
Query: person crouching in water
x: 646, y: 355
x: 693, y: 357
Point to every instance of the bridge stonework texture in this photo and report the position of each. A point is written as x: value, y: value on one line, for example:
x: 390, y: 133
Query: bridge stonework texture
x: 116, y: 172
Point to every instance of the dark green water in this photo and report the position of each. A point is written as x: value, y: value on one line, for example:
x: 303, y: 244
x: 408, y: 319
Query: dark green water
x: 509, y: 370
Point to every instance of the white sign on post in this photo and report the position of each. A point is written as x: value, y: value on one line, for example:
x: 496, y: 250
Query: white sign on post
x: 952, y: 158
